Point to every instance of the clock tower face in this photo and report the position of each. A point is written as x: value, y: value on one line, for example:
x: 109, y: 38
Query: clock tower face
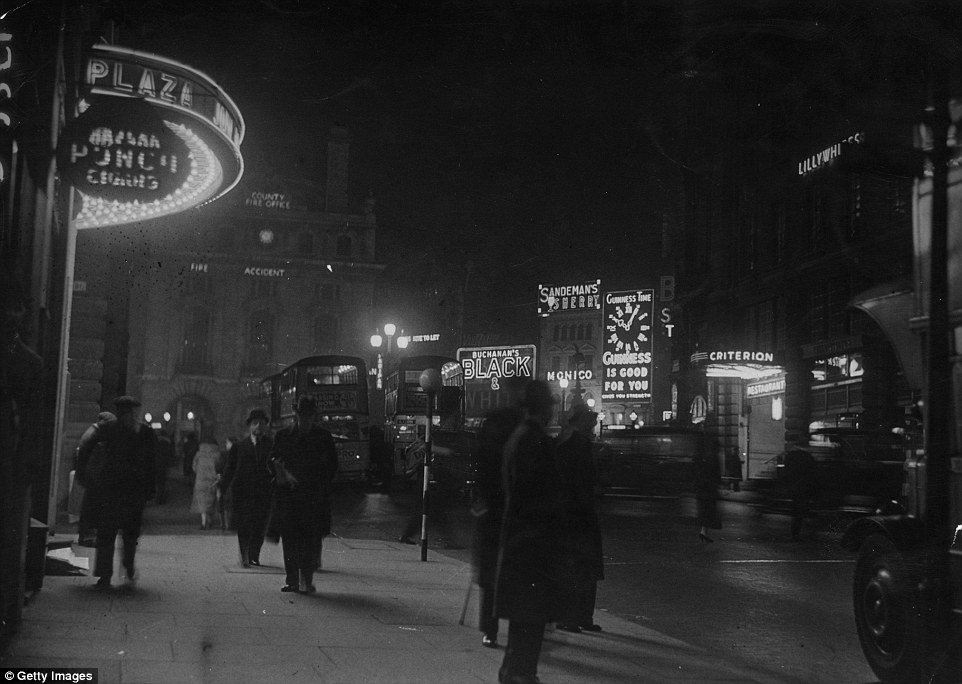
x: 628, y: 327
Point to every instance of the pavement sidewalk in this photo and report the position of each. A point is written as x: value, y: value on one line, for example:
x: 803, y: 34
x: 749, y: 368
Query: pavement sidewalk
x: 380, y: 615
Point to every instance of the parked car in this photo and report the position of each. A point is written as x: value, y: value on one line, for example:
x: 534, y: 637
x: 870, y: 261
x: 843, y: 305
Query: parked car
x: 856, y: 471
x: 657, y: 461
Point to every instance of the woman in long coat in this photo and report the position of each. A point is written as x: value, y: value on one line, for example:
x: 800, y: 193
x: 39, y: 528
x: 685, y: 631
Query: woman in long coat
x: 205, y: 481
x: 301, y: 512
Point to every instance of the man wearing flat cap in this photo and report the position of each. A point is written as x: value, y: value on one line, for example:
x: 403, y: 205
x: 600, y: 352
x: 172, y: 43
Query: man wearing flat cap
x: 301, y: 507
x: 125, y: 483
x: 249, y: 478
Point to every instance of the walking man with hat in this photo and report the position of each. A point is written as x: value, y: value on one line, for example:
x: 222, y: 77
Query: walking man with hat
x: 304, y: 462
x: 248, y: 477
x: 125, y: 485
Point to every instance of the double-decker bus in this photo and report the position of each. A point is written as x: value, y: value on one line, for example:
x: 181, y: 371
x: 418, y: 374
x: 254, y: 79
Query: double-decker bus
x: 405, y: 413
x: 339, y: 386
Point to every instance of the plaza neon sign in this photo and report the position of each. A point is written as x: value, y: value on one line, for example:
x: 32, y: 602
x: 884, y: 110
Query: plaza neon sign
x: 153, y: 137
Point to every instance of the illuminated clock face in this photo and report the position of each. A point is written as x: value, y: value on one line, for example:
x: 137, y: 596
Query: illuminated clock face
x: 266, y: 236
x: 628, y: 326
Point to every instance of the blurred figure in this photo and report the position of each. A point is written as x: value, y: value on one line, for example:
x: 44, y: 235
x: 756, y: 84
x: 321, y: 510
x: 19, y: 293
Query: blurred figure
x: 223, y: 493
x: 526, y: 585
x: 583, y: 566
x: 125, y: 484
x: 800, y: 481
x: 488, y: 511
x: 188, y: 449
x: 247, y: 477
x: 90, y: 458
x: 166, y: 457
x: 707, y: 479
x: 382, y: 464
x: 301, y: 508
x: 205, y: 481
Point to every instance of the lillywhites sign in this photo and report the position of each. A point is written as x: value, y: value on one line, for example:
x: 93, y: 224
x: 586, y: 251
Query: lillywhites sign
x: 560, y: 298
x: 829, y: 154
x: 121, y: 150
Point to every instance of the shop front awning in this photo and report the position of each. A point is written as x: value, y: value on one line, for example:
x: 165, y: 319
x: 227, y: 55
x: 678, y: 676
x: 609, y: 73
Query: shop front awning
x: 892, y: 306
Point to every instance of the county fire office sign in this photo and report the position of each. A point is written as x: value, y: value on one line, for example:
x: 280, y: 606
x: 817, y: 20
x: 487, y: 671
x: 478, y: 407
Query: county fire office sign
x: 495, y: 377
x: 153, y: 137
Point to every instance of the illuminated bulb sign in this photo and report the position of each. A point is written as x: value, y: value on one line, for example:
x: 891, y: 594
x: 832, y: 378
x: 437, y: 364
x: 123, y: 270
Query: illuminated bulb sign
x: 495, y: 376
x: 627, y: 346
x: 154, y: 137
x: 748, y: 364
x: 560, y: 298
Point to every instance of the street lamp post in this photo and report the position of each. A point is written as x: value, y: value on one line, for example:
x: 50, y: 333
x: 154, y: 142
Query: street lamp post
x: 563, y: 382
x: 430, y: 382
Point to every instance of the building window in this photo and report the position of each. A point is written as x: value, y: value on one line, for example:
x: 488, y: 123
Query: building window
x: 305, y: 242
x: 195, y: 355
x: 325, y: 334
x: 556, y: 363
x: 781, y: 232
x: 263, y: 287
x: 557, y: 333
x: 343, y: 246
x: 198, y: 283
x: 260, y: 339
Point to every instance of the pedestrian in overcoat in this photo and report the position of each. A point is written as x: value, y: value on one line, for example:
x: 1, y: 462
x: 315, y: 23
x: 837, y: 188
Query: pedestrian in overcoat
x: 488, y: 510
x: 583, y: 565
x: 707, y: 476
x: 526, y: 584
x: 248, y: 478
x: 301, y: 510
x: 125, y: 484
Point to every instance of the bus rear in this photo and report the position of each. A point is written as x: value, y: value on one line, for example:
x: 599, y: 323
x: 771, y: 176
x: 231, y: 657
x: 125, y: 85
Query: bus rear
x: 339, y: 387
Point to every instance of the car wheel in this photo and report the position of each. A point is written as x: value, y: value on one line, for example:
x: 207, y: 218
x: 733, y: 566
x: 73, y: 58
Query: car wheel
x: 886, y: 602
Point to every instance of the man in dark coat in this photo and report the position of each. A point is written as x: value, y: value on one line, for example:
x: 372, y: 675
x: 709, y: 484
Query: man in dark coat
x: 526, y: 585
x: 124, y: 485
x: 497, y: 428
x: 584, y: 560
x: 89, y: 460
x: 301, y: 510
x: 248, y: 478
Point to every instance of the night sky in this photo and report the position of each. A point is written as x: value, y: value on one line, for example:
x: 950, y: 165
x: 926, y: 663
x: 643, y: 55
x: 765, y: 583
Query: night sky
x: 511, y: 143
